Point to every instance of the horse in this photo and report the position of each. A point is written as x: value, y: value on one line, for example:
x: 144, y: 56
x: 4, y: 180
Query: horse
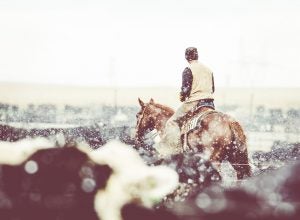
x: 217, y: 134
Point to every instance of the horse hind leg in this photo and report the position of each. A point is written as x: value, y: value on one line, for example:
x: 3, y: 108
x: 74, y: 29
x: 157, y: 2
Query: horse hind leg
x: 238, y: 157
x: 239, y: 161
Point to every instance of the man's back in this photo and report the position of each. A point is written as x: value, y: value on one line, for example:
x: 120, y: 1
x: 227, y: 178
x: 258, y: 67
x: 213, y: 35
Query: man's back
x: 202, y: 85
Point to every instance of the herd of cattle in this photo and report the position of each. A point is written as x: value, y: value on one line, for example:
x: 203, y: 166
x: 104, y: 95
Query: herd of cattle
x: 79, y: 173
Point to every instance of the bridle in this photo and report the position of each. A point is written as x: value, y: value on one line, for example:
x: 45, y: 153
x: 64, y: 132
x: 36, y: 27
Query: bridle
x: 143, y: 134
x: 139, y: 122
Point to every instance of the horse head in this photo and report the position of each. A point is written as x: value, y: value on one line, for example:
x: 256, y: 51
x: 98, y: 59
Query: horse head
x: 145, y: 120
x: 151, y: 117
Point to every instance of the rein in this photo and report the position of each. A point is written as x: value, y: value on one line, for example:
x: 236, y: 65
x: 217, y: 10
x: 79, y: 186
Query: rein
x: 139, y: 123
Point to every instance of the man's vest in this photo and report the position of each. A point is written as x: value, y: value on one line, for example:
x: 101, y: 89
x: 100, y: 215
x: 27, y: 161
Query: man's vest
x: 202, y: 86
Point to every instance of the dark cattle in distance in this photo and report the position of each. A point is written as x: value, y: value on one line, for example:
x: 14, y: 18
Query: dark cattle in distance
x: 90, y: 134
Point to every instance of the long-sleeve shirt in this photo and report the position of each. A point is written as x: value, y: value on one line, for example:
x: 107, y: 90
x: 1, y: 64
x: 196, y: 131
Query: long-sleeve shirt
x: 187, y: 80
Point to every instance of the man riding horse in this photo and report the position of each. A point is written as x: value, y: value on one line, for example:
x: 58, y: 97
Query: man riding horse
x: 195, y: 126
x: 196, y: 92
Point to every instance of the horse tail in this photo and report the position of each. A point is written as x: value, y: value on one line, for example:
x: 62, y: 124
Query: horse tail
x: 239, y: 156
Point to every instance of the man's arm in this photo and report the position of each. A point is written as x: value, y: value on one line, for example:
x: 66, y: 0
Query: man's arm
x: 187, y: 80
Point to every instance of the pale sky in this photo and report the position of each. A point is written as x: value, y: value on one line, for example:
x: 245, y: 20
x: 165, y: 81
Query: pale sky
x: 247, y: 43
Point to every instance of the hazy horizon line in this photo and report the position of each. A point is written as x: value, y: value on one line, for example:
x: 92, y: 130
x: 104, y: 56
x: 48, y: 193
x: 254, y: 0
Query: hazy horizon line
x: 14, y: 83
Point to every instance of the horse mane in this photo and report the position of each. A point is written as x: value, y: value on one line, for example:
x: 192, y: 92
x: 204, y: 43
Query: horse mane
x: 167, y: 109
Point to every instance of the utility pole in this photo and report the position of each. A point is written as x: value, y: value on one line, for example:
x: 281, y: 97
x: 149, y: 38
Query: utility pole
x: 113, y: 82
x: 112, y: 69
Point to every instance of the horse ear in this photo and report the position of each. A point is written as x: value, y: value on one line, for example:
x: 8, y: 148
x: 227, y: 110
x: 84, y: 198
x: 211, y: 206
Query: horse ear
x: 151, y: 101
x: 142, y: 104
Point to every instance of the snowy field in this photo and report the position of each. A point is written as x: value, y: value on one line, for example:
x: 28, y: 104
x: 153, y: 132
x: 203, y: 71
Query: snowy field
x: 272, y: 134
x: 257, y: 141
x: 263, y: 141
x: 108, y: 123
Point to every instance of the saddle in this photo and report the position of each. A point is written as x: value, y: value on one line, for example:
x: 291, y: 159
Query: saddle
x: 192, y: 121
x: 203, y: 104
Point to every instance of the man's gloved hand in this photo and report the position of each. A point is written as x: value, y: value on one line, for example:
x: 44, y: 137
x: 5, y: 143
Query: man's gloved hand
x: 181, y: 97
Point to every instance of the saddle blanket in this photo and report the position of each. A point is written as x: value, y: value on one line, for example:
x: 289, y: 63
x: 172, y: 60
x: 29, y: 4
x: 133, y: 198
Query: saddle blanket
x: 193, y: 122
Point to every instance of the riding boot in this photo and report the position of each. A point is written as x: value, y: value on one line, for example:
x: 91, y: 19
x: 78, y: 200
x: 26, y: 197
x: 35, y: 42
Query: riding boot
x: 170, y: 140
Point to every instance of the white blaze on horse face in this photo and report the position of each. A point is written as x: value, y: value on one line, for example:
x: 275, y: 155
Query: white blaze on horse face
x: 131, y: 180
